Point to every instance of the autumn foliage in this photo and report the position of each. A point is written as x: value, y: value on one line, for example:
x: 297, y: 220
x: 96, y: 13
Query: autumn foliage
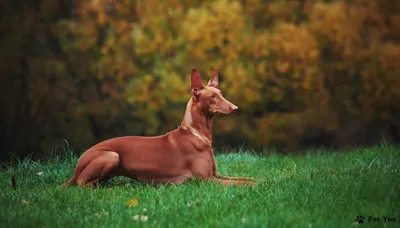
x: 303, y: 73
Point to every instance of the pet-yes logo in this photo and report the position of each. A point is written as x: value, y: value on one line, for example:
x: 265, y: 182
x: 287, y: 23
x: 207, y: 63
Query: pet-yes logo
x: 361, y: 219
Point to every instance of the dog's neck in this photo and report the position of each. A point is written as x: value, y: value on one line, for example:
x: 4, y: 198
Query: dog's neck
x: 197, y: 123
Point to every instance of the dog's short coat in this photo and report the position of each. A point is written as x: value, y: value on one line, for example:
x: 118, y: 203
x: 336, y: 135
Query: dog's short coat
x: 171, y: 158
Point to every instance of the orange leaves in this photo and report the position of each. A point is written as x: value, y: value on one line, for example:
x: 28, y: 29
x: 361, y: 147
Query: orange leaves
x: 284, y: 10
x: 282, y: 67
x: 277, y: 58
x: 339, y: 23
x: 294, y: 42
x: 101, y: 18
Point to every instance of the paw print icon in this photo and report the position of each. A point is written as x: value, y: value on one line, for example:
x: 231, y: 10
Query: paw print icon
x: 360, y: 219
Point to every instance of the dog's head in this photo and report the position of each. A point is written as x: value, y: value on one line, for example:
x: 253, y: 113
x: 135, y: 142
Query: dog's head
x: 208, y: 98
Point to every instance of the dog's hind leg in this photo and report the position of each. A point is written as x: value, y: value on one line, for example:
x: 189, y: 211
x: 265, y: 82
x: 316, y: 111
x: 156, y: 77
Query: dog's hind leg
x: 99, y: 169
x: 83, y: 161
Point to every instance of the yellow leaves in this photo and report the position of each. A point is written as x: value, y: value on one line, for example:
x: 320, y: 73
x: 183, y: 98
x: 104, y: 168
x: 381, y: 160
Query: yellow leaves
x: 101, y: 18
x: 297, y: 52
x: 260, y: 69
x: 313, y: 54
x: 240, y: 84
x: 269, y: 60
x: 218, y: 24
x: 294, y: 42
x: 132, y: 202
x: 138, y: 89
x: 256, y: 45
x: 178, y: 88
x: 338, y: 23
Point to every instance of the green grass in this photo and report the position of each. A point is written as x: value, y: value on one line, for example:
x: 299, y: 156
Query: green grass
x: 317, y: 189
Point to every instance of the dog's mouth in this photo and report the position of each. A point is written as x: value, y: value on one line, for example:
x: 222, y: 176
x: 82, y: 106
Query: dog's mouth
x: 216, y: 112
x: 223, y: 114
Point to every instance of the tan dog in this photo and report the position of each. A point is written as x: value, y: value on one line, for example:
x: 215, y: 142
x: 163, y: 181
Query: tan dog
x: 167, y: 159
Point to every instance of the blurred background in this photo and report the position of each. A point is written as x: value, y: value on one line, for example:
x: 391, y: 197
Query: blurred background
x: 304, y: 73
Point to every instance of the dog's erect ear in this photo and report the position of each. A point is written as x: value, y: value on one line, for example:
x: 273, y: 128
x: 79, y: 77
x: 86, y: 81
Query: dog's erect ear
x: 197, y: 84
x: 214, y: 79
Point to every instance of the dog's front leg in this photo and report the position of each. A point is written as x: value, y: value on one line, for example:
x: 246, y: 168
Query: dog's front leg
x: 233, y: 182
x: 219, y: 176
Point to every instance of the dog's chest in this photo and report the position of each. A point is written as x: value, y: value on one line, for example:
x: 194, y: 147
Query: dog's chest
x: 201, y: 164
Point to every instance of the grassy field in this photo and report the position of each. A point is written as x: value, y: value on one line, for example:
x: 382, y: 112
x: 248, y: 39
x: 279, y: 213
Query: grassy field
x: 316, y: 189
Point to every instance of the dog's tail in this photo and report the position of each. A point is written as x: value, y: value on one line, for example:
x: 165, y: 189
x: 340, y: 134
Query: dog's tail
x: 71, y: 181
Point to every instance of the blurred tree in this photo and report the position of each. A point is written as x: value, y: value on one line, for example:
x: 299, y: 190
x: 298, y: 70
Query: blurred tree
x: 30, y: 70
x: 303, y: 73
